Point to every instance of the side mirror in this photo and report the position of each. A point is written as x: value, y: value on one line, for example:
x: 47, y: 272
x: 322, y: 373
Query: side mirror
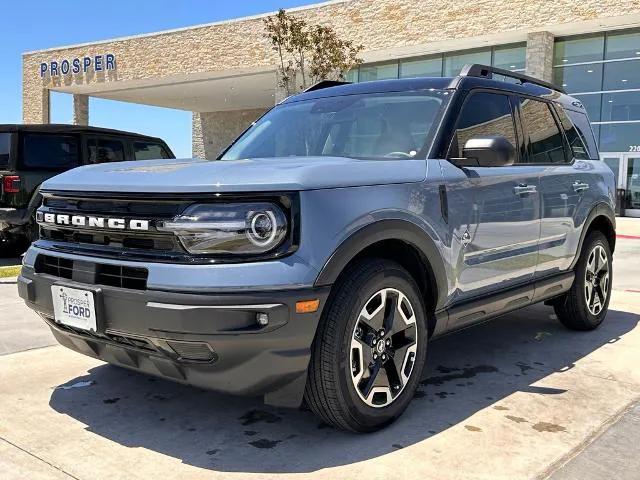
x: 487, y: 151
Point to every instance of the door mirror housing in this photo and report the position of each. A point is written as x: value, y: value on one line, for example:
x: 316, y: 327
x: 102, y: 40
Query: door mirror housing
x: 487, y: 151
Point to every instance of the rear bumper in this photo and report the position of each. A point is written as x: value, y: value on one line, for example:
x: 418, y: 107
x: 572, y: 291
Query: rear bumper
x: 207, y: 340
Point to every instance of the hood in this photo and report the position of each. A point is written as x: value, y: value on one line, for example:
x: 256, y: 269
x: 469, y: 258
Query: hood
x: 254, y: 175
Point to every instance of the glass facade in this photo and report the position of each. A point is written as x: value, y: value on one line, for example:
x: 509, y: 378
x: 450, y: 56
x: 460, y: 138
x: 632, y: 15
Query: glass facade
x: 603, y: 72
x: 508, y: 57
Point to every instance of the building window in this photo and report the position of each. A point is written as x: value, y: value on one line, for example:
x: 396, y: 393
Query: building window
x: 351, y: 75
x: 381, y: 71
x: 603, y: 72
x: 510, y: 57
x: 426, y: 67
x: 622, y: 45
x: 578, y: 49
x: 579, y: 78
x: 453, y: 62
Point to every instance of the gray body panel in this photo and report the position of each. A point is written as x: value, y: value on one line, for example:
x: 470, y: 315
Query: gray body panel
x: 255, y: 175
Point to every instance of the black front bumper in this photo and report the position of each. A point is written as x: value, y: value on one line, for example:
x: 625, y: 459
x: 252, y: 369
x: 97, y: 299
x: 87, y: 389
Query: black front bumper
x: 211, y: 341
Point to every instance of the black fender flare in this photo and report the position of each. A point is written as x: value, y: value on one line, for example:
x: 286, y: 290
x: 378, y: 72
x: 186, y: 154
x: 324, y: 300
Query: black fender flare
x: 390, y: 229
x: 602, y: 209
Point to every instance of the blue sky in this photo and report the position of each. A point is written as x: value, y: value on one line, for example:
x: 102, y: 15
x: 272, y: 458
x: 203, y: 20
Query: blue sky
x: 37, y: 24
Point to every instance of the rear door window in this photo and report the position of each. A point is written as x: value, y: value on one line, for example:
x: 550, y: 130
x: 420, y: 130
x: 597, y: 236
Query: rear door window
x: 546, y: 144
x: 5, y: 150
x: 49, y: 152
x: 148, y: 151
x: 105, y: 150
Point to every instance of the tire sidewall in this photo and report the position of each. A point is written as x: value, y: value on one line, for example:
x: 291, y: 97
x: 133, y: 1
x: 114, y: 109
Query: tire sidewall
x: 594, y: 239
x: 368, y: 417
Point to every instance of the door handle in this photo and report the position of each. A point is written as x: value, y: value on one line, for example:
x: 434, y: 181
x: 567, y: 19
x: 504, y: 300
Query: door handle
x: 579, y: 186
x: 524, y: 189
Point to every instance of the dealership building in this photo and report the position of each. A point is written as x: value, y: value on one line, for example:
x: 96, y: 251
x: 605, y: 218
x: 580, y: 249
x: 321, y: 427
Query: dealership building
x: 225, y: 72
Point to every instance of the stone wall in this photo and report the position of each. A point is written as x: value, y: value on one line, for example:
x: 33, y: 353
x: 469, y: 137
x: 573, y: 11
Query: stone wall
x: 377, y: 24
x: 539, y: 58
x: 214, y: 131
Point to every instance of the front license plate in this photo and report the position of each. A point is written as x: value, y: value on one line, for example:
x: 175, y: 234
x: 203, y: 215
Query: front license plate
x: 73, y: 307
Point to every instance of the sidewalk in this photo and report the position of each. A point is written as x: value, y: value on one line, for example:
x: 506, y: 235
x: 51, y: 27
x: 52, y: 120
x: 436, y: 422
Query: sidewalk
x: 628, y: 227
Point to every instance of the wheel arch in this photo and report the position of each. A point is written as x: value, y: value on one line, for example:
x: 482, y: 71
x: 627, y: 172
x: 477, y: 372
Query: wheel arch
x: 401, y: 241
x: 601, y: 218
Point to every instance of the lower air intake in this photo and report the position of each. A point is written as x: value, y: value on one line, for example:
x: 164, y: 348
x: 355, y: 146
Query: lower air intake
x: 193, y: 351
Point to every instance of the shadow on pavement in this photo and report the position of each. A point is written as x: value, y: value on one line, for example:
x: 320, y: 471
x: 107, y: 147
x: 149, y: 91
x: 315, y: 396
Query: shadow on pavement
x: 467, y: 372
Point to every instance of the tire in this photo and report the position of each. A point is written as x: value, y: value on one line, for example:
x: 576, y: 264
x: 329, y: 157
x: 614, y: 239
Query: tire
x: 341, y: 387
x: 573, y: 309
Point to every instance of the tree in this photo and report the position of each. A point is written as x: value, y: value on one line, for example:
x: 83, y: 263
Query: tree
x: 307, y: 53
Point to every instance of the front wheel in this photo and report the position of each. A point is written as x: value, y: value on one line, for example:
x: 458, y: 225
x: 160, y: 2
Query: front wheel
x: 370, y: 348
x: 585, y: 306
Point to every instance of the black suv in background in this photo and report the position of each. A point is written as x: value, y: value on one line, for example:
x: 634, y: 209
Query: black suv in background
x: 31, y: 154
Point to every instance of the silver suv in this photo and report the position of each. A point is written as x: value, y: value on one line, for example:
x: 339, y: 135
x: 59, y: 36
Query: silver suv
x: 315, y: 259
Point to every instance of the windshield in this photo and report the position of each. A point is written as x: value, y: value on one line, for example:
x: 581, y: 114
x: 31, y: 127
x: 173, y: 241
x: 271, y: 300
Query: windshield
x: 377, y: 125
x: 5, y: 149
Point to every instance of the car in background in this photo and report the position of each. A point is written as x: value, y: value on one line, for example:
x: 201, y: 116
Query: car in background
x: 31, y: 154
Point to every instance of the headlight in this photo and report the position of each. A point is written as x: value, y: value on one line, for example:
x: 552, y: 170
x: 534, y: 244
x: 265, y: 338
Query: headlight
x: 233, y: 228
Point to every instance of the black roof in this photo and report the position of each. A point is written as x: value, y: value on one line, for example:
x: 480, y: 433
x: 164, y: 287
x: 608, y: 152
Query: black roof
x: 377, y: 86
x: 63, y: 128
x: 468, y: 78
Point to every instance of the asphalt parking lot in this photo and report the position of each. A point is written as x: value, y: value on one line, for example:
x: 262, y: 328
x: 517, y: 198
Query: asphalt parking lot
x: 519, y: 397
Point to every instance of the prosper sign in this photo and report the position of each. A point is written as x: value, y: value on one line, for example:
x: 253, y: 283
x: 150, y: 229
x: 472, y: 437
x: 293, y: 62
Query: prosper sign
x: 99, y: 63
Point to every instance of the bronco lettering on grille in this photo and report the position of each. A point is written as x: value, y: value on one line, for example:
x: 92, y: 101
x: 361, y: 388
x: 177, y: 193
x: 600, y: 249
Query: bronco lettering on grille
x: 91, y: 222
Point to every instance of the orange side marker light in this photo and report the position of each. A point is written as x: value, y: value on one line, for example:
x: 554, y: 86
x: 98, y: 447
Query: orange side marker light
x: 307, y: 306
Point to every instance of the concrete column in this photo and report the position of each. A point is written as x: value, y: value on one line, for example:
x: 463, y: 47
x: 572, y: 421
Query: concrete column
x: 540, y: 55
x: 81, y: 110
x: 211, y: 132
x: 35, y: 105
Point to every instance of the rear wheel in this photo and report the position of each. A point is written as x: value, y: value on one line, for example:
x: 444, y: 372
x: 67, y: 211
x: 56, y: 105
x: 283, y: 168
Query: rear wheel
x: 370, y: 348
x: 585, y: 306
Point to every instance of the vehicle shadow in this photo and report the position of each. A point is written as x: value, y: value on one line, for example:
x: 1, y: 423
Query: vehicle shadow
x: 467, y: 372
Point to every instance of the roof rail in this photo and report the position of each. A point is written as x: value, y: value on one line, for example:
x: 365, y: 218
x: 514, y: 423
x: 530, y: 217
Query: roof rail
x: 485, y: 71
x: 325, y: 84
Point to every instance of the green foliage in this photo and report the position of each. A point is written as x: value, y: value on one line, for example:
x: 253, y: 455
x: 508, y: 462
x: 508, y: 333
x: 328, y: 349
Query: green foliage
x: 308, y: 53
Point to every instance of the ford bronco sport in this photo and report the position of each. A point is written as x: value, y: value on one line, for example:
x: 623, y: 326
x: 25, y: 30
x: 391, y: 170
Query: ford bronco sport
x: 30, y: 154
x: 337, y: 235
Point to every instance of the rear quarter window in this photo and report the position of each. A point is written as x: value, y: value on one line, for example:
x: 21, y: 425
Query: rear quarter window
x: 576, y: 142
x: 49, y: 152
x: 5, y: 150
x: 581, y: 122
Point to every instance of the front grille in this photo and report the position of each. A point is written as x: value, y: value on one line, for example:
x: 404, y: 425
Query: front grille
x: 134, y: 278
x: 130, y: 242
x: 55, y: 266
x: 122, y: 277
